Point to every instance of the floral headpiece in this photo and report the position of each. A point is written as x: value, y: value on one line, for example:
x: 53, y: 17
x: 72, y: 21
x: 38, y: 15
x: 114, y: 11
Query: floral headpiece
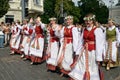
x: 50, y: 19
x: 89, y: 18
x: 68, y: 17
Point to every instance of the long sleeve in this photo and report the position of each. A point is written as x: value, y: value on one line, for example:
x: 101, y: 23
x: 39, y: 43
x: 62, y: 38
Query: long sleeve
x: 42, y: 25
x: 118, y: 36
x: 60, y: 33
x: 75, y: 34
x: 32, y: 36
x: 29, y: 30
x: 26, y: 32
x: 18, y: 29
x: 100, y: 42
x: 19, y: 26
x: 80, y: 44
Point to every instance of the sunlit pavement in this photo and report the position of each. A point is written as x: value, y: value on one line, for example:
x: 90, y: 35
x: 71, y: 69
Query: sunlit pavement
x: 14, y: 68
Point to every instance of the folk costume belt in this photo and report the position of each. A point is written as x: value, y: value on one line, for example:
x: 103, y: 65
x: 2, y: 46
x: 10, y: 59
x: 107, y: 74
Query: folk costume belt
x: 68, y: 40
x: 53, y: 39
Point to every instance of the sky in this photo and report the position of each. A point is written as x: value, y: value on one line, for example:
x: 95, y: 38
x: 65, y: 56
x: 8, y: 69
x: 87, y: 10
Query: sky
x: 108, y: 3
x: 105, y: 1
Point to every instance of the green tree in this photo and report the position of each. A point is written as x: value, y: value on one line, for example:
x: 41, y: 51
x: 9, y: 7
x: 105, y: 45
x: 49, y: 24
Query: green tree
x: 52, y: 9
x: 69, y: 8
x: 49, y: 6
x: 4, y: 6
x: 96, y: 7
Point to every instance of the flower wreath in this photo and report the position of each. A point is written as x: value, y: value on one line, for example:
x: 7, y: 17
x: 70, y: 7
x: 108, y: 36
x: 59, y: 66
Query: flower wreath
x: 89, y: 18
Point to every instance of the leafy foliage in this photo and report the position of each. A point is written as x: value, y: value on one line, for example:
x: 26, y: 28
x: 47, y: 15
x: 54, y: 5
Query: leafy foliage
x: 49, y: 6
x: 96, y: 7
x: 4, y: 6
x: 69, y: 9
x: 52, y: 8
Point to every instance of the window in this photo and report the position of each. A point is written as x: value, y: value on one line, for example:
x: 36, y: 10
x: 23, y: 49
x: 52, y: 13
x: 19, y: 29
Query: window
x: 9, y: 18
x: 37, y: 2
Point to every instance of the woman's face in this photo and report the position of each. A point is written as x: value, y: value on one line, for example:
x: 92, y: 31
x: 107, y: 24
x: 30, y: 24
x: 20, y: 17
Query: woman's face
x: 69, y: 21
x: 52, y: 22
x: 88, y: 23
x: 13, y: 24
x: 24, y: 22
x: 37, y: 21
x: 110, y: 23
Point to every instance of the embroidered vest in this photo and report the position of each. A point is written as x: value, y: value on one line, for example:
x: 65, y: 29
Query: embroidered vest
x: 39, y: 31
x: 68, y: 34
x: 52, y: 36
x: 111, y: 35
x: 89, y: 37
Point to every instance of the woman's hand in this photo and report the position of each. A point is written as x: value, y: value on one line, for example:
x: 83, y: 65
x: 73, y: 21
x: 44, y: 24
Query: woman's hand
x: 74, y: 62
x: 28, y: 40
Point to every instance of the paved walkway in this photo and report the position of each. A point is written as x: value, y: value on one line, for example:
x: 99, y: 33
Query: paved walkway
x: 14, y: 68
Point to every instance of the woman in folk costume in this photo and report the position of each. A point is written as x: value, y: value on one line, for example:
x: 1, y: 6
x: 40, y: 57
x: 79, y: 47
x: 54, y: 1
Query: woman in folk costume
x: 37, y: 44
x: 101, y: 30
x: 14, y: 31
x: 24, y: 37
x: 53, y: 45
x: 88, y: 55
x: 112, y: 43
x: 15, y: 38
x: 68, y: 47
x: 28, y: 36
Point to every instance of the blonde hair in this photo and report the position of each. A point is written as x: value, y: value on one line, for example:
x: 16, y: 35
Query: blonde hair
x: 89, y: 16
x: 112, y: 20
x: 39, y: 19
x: 69, y: 17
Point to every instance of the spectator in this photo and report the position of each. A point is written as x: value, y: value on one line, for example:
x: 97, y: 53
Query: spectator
x: 1, y: 37
x: 7, y: 33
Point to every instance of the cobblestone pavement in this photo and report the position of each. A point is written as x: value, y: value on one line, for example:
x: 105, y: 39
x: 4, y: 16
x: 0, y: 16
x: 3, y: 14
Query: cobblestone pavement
x: 14, y: 68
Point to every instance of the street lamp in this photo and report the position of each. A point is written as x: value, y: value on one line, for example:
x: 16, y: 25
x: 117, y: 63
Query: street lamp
x: 111, y: 4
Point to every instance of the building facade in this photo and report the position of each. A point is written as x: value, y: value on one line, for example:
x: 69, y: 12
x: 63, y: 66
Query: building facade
x: 114, y: 12
x: 33, y: 9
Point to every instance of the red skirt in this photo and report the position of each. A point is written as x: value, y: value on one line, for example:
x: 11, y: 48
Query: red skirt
x: 36, y: 59
x: 27, y: 57
x: 64, y: 71
x: 51, y: 67
x: 16, y: 50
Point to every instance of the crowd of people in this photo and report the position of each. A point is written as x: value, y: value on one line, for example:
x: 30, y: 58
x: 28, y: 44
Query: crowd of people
x: 77, y: 51
x: 5, y: 33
